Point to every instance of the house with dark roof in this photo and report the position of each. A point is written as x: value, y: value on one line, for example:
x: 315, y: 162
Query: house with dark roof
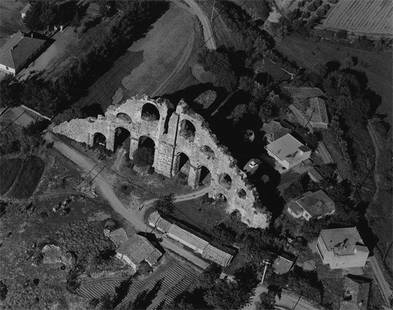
x: 311, y: 205
x: 356, y: 293
x: 20, y: 50
x: 342, y: 248
x: 137, y: 249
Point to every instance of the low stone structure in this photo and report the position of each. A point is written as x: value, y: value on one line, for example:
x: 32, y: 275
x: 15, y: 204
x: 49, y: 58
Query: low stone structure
x: 180, y: 138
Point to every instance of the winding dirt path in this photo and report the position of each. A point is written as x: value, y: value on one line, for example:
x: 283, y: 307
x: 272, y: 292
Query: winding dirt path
x: 205, y: 22
x: 136, y: 218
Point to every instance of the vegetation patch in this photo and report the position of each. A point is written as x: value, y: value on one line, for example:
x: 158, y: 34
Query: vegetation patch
x: 9, y: 169
x: 32, y: 169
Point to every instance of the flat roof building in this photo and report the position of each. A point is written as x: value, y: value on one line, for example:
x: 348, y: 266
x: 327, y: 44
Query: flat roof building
x: 342, y: 248
x: 288, y: 152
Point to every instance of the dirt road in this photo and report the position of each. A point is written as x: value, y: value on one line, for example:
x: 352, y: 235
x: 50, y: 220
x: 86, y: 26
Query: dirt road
x: 205, y: 22
x: 101, y: 177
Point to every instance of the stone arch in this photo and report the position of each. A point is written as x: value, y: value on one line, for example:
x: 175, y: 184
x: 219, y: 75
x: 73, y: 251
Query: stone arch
x: 150, y: 112
x: 242, y: 194
x: 221, y: 197
x: 207, y: 150
x: 124, y: 117
x: 204, y: 178
x: 99, y: 140
x: 187, y: 130
x: 225, y: 180
x: 146, y: 150
x: 122, y: 139
x: 183, y: 165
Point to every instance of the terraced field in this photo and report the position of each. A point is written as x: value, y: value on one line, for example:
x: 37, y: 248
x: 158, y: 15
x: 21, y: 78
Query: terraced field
x: 366, y: 17
x: 175, y: 279
x: 96, y: 288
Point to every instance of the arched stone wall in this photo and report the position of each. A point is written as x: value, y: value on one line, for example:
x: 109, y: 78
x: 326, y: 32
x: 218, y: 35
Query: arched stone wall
x: 168, y: 143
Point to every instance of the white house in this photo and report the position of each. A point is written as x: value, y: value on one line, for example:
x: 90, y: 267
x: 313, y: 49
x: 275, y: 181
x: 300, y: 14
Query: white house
x: 288, y: 152
x: 342, y: 248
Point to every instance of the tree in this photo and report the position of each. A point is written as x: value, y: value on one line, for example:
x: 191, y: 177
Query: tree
x: 143, y: 157
x: 218, y: 63
x: 165, y: 204
x: 267, y: 301
x: 10, y: 91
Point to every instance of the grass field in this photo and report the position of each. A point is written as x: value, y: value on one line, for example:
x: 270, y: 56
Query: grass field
x: 312, y: 55
x: 152, y: 64
x: 10, y: 19
x: 28, y: 179
x: 9, y: 169
x: 200, y: 213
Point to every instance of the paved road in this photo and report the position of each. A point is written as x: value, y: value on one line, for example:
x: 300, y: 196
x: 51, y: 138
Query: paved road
x: 105, y: 188
x: 205, y: 22
x: 378, y: 273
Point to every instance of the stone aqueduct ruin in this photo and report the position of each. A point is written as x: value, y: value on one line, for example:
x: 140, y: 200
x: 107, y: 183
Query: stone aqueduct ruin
x: 180, y: 138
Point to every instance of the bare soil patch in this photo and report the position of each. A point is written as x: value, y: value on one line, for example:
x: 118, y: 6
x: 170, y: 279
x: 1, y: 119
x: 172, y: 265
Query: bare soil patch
x: 30, y: 175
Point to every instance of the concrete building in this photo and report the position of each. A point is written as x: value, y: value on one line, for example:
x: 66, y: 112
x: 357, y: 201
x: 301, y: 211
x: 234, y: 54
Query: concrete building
x: 288, y: 152
x: 342, y: 248
x: 136, y: 250
x: 311, y: 205
x: 181, y: 142
x: 190, y: 240
x: 19, y: 51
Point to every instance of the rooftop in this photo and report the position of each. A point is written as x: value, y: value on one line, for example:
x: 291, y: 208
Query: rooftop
x: 118, y: 236
x: 316, y: 203
x: 138, y: 249
x: 303, y: 92
x: 288, y: 148
x: 356, y: 293
x: 311, y: 111
x: 188, y: 237
x: 18, y: 49
x: 343, y: 241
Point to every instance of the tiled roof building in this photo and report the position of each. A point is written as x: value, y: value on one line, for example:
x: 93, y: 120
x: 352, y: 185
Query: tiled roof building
x: 311, y: 204
x: 190, y: 240
x: 19, y: 51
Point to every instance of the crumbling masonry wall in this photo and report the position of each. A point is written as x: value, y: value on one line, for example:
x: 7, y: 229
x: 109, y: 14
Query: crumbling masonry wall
x: 172, y: 143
